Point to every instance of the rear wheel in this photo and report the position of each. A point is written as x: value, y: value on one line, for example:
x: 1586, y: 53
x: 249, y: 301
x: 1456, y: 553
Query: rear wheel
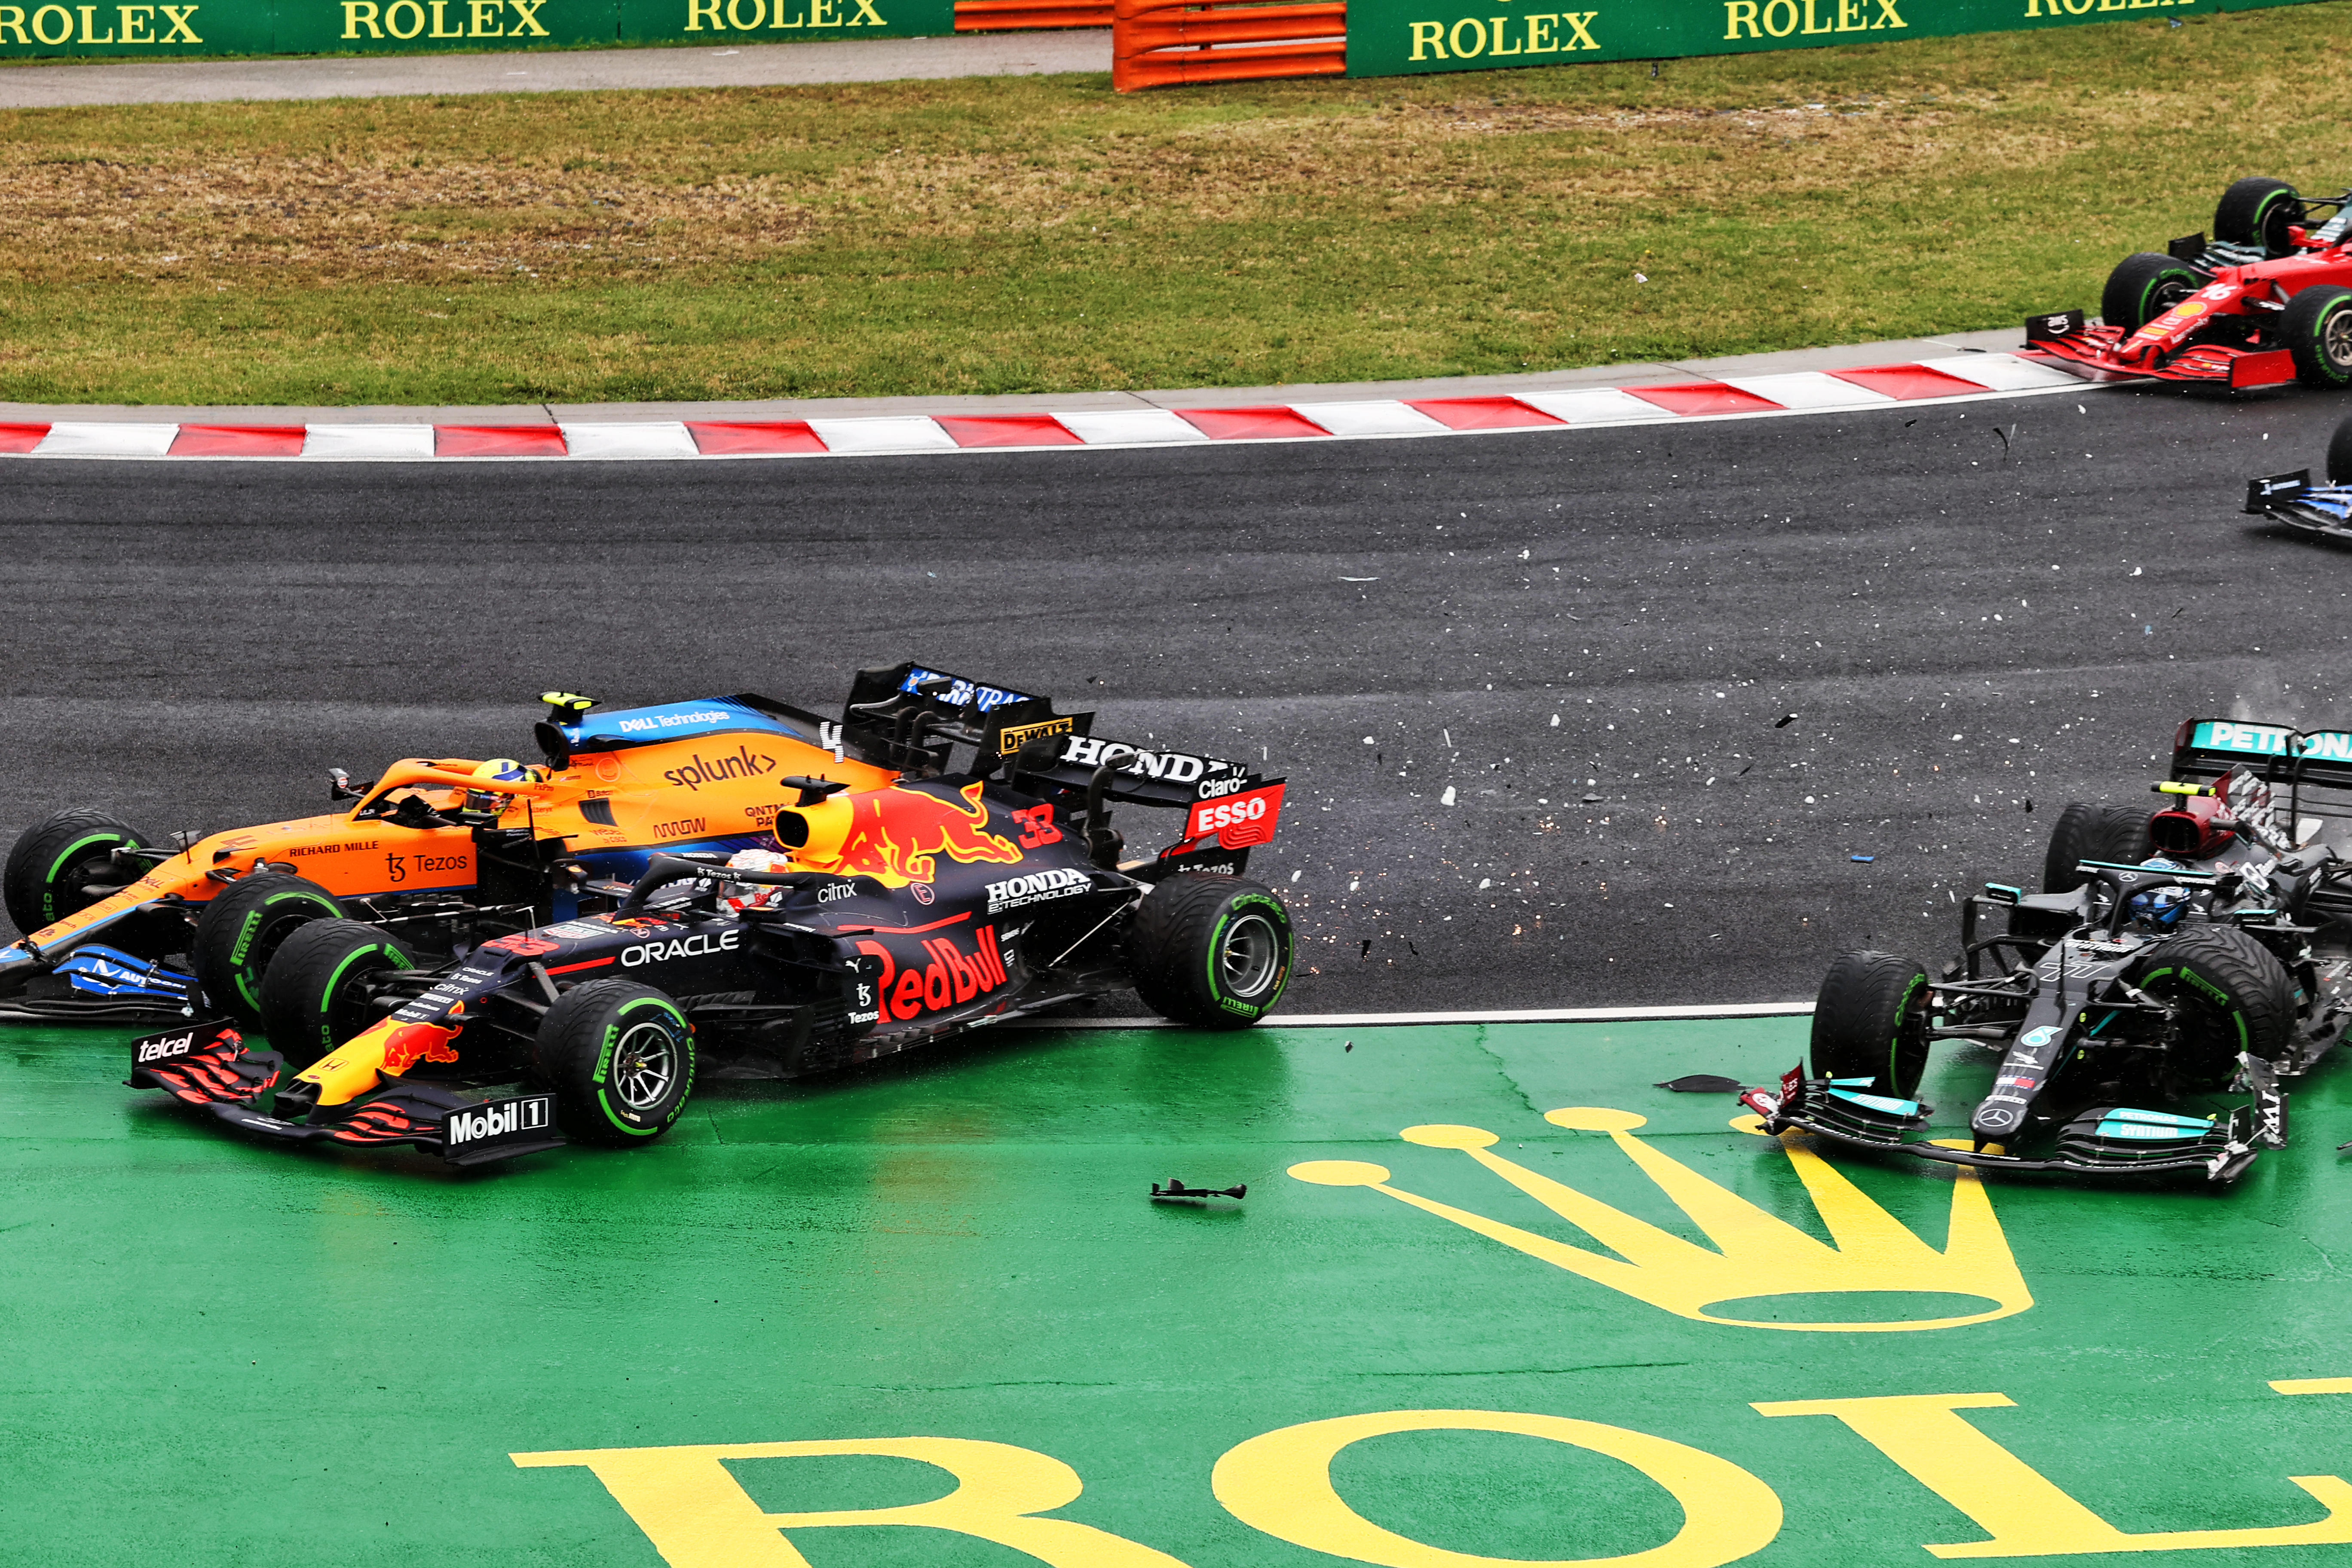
x: 2144, y: 287
x: 314, y: 994
x: 55, y: 864
x: 2088, y: 832
x: 2234, y: 996
x: 2316, y: 327
x: 1210, y: 951
x: 1871, y: 1021
x: 242, y: 928
x: 2258, y: 210
x: 619, y: 1059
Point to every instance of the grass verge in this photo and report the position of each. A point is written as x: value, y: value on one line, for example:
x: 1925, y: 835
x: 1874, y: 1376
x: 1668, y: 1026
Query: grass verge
x: 1042, y: 234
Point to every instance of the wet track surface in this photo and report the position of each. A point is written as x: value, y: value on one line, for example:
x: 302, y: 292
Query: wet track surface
x: 1966, y: 610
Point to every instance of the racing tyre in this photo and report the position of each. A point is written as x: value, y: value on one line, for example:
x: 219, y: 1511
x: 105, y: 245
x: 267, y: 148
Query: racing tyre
x: 2339, y: 454
x: 619, y: 1059
x: 1209, y: 951
x: 2257, y: 210
x: 241, y: 931
x: 2144, y: 287
x: 1871, y: 1021
x: 55, y: 862
x: 2235, y: 996
x: 314, y: 994
x: 2086, y: 832
x: 2316, y: 327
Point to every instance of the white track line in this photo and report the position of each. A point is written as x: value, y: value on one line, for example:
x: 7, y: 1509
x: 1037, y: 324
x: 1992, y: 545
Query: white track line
x: 1522, y: 1016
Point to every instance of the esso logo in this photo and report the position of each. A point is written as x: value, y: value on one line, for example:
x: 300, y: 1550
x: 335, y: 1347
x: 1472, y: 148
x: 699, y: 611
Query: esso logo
x: 1244, y: 820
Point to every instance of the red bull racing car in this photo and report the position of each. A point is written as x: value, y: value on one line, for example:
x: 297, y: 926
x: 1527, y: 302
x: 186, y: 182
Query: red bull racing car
x: 963, y: 872
x: 2130, y: 992
x: 2267, y: 300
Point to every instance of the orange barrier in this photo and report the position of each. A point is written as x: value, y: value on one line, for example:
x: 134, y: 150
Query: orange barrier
x: 1003, y: 15
x: 1166, y: 43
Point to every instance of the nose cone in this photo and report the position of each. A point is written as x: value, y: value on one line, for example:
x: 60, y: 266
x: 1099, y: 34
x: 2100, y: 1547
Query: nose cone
x: 1997, y: 1122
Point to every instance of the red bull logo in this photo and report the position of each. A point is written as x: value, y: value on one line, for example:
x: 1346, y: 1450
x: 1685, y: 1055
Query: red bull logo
x: 409, y: 1044
x: 952, y: 977
x: 895, y: 833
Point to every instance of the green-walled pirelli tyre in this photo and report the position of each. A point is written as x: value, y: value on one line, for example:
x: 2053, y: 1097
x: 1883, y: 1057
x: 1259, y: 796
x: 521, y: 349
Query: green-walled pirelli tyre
x: 1871, y: 1021
x: 1209, y: 951
x: 2258, y: 210
x: 2087, y: 832
x: 2144, y: 287
x: 241, y: 931
x: 314, y: 994
x: 619, y: 1058
x: 2234, y: 996
x: 2316, y: 327
x: 55, y: 863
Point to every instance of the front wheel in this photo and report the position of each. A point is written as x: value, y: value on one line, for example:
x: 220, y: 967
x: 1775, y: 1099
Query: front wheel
x: 619, y: 1059
x: 56, y: 865
x: 241, y: 931
x: 2339, y: 454
x: 2144, y: 287
x: 1209, y: 951
x: 315, y: 993
x: 1871, y: 1022
x: 2316, y: 327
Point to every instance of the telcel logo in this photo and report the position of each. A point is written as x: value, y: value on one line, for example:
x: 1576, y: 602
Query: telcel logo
x: 497, y: 1120
x: 160, y: 1051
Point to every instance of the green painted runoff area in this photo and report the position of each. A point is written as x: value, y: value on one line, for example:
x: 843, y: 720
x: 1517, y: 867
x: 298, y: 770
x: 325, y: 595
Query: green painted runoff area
x: 225, y: 1353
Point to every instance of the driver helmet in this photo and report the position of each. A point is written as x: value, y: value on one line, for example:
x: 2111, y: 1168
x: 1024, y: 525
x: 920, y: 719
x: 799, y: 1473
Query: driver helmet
x: 741, y: 896
x: 488, y: 805
x: 2160, y: 907
x: 2199, y: 828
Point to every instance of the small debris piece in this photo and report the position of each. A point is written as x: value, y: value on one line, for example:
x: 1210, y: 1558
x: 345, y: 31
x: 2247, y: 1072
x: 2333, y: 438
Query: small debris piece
x: 1862, y: 859
x: 1176, y: 1189
x: 1784, y: 721
x: 1702, y: 1083
x: 1350, y: 1047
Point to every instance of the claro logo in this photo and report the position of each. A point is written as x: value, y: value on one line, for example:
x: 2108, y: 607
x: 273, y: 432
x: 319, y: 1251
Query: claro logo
x: 745, y: 764
x: 702, y: 945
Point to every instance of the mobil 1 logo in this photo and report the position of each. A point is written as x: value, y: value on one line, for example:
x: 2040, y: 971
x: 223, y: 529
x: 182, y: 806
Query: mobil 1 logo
x: 497, y: 1128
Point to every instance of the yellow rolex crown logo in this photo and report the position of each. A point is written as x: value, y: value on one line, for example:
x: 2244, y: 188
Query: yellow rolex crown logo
x: 1756, y: 1257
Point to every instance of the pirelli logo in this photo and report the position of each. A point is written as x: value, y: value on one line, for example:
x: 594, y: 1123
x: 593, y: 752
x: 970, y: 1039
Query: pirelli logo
x: 1013, y: 737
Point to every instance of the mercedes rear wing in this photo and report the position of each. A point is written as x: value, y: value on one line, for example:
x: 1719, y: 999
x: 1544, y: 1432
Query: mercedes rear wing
x: 2310, y: 770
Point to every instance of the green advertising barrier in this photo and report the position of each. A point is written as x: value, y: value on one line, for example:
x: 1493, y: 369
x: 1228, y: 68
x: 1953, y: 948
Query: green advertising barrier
x: 33, y: 28
x: 1410, y: 37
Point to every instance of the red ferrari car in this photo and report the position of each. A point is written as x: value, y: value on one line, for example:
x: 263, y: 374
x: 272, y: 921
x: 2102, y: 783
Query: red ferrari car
x: 2267, y: 300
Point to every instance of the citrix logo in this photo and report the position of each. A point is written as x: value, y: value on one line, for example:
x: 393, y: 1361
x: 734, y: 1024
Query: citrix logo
x: 744, y: 765
x: 702, y: 945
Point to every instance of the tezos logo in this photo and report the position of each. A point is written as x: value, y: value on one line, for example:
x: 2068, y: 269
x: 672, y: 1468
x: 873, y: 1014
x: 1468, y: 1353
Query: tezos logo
x: 497, y: 1120
x: 701, y: 944
x: 1037, y: 887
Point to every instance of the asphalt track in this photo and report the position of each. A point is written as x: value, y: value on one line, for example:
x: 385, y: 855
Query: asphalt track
x: 1591, y: 640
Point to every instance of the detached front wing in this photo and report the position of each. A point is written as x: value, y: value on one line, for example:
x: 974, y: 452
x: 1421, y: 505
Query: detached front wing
x: 2292, y: 500
x: 208, y: 1066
